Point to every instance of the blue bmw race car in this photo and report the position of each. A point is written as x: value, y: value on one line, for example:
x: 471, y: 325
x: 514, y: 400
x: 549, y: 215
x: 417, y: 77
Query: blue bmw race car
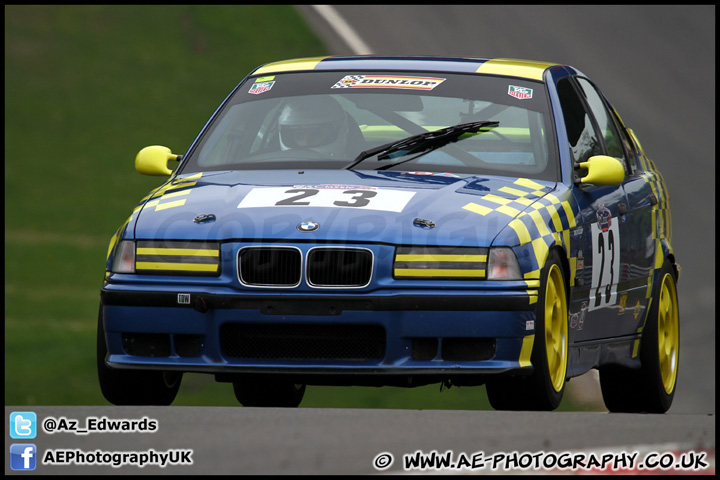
x: 399, y: 221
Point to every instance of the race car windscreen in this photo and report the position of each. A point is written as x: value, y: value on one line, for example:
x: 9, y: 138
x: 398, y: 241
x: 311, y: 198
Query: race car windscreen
x: 326, y: 120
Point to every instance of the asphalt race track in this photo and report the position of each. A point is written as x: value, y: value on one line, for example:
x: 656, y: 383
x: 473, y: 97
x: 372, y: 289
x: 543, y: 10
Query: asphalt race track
x: 318, y: 441
x: 657, y: 65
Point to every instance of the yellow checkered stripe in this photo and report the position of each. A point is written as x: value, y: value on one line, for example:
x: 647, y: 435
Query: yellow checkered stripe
x: 661, y: 233
x: 538, y: 218
x: 661, y: 222
x: 458, y: 263
x: 177, y: 258
x: 662, y: 227
x: 172, y: 194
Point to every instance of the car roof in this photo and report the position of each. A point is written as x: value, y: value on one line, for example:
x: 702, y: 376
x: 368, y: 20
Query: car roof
x: 528, y: 69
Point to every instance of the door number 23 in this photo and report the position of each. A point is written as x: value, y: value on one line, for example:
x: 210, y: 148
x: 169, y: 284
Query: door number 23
x: 605, y: 266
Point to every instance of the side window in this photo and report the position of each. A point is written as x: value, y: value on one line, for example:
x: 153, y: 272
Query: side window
x: 582, y: 136
x: 605, y: 122
x: 631, y: 152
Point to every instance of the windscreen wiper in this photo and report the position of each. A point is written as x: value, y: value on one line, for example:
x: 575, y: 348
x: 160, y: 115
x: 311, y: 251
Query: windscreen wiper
x: 422, y: 142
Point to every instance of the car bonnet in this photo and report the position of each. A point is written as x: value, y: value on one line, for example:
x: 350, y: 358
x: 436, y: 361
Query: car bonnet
x: 392, y: 207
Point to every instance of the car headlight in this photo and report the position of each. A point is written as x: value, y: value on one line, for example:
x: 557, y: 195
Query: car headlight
x: 124, y: 260
x: 447, y: 263
x: 167, y: 258
x: 503, y: 265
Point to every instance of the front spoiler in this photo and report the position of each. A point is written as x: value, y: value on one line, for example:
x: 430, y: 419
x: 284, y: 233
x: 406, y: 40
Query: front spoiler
x: 274, y: 304
x: 400, y: 377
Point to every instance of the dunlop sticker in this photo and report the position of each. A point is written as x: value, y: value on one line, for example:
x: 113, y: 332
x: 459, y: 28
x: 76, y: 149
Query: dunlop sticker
x: 388, y: 81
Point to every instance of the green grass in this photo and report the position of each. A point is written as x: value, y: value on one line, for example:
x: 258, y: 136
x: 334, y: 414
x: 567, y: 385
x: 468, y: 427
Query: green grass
x: 86, y: 87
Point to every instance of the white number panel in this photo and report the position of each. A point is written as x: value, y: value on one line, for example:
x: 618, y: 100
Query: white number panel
x: 605, y: 265
x: 308, y: 196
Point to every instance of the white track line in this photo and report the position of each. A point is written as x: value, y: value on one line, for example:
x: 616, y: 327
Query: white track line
x: 341, y: 27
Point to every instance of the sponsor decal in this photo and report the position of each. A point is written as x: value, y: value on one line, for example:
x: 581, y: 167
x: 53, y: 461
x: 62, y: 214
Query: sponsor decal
x: 388, y: 81
x: 581, y: 315
x: 521, y: 93
x: 262, y: 85
x: 604, y: 218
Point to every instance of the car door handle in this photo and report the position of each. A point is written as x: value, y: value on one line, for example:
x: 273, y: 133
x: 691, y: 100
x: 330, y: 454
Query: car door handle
x: 653, y: 199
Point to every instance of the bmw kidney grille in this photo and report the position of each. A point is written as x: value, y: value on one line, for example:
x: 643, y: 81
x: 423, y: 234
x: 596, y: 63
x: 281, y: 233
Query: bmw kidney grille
x: 324, y: 267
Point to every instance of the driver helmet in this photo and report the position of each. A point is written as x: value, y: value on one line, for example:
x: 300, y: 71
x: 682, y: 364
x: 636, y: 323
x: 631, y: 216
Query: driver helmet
x: 314, y: 123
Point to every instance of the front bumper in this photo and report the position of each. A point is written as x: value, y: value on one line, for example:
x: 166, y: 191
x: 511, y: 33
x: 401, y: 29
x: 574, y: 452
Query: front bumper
x: 321, y: 338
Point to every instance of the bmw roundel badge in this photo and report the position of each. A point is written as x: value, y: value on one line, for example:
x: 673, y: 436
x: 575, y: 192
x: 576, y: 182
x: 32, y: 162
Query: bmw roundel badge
x: 308, y: 226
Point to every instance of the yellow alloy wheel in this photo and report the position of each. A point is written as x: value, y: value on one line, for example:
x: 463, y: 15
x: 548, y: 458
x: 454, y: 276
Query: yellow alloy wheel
x: 556, y: 328
x: 668, y: 333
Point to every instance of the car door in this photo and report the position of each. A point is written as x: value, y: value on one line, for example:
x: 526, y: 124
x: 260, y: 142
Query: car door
x: 611, y: 273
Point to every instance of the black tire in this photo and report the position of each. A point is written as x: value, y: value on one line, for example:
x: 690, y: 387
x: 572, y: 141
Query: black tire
x: 268, y: 393
x: 651, y: 388
x: 543, y: 390
x: 131, y: 387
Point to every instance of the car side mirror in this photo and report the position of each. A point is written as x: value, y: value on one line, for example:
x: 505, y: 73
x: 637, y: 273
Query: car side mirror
x: 603, y: 171
x: 154, y: 160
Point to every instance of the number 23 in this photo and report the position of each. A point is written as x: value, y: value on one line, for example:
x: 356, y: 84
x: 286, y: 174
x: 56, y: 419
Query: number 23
x: 606, y: 263
x: 360, y: 198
